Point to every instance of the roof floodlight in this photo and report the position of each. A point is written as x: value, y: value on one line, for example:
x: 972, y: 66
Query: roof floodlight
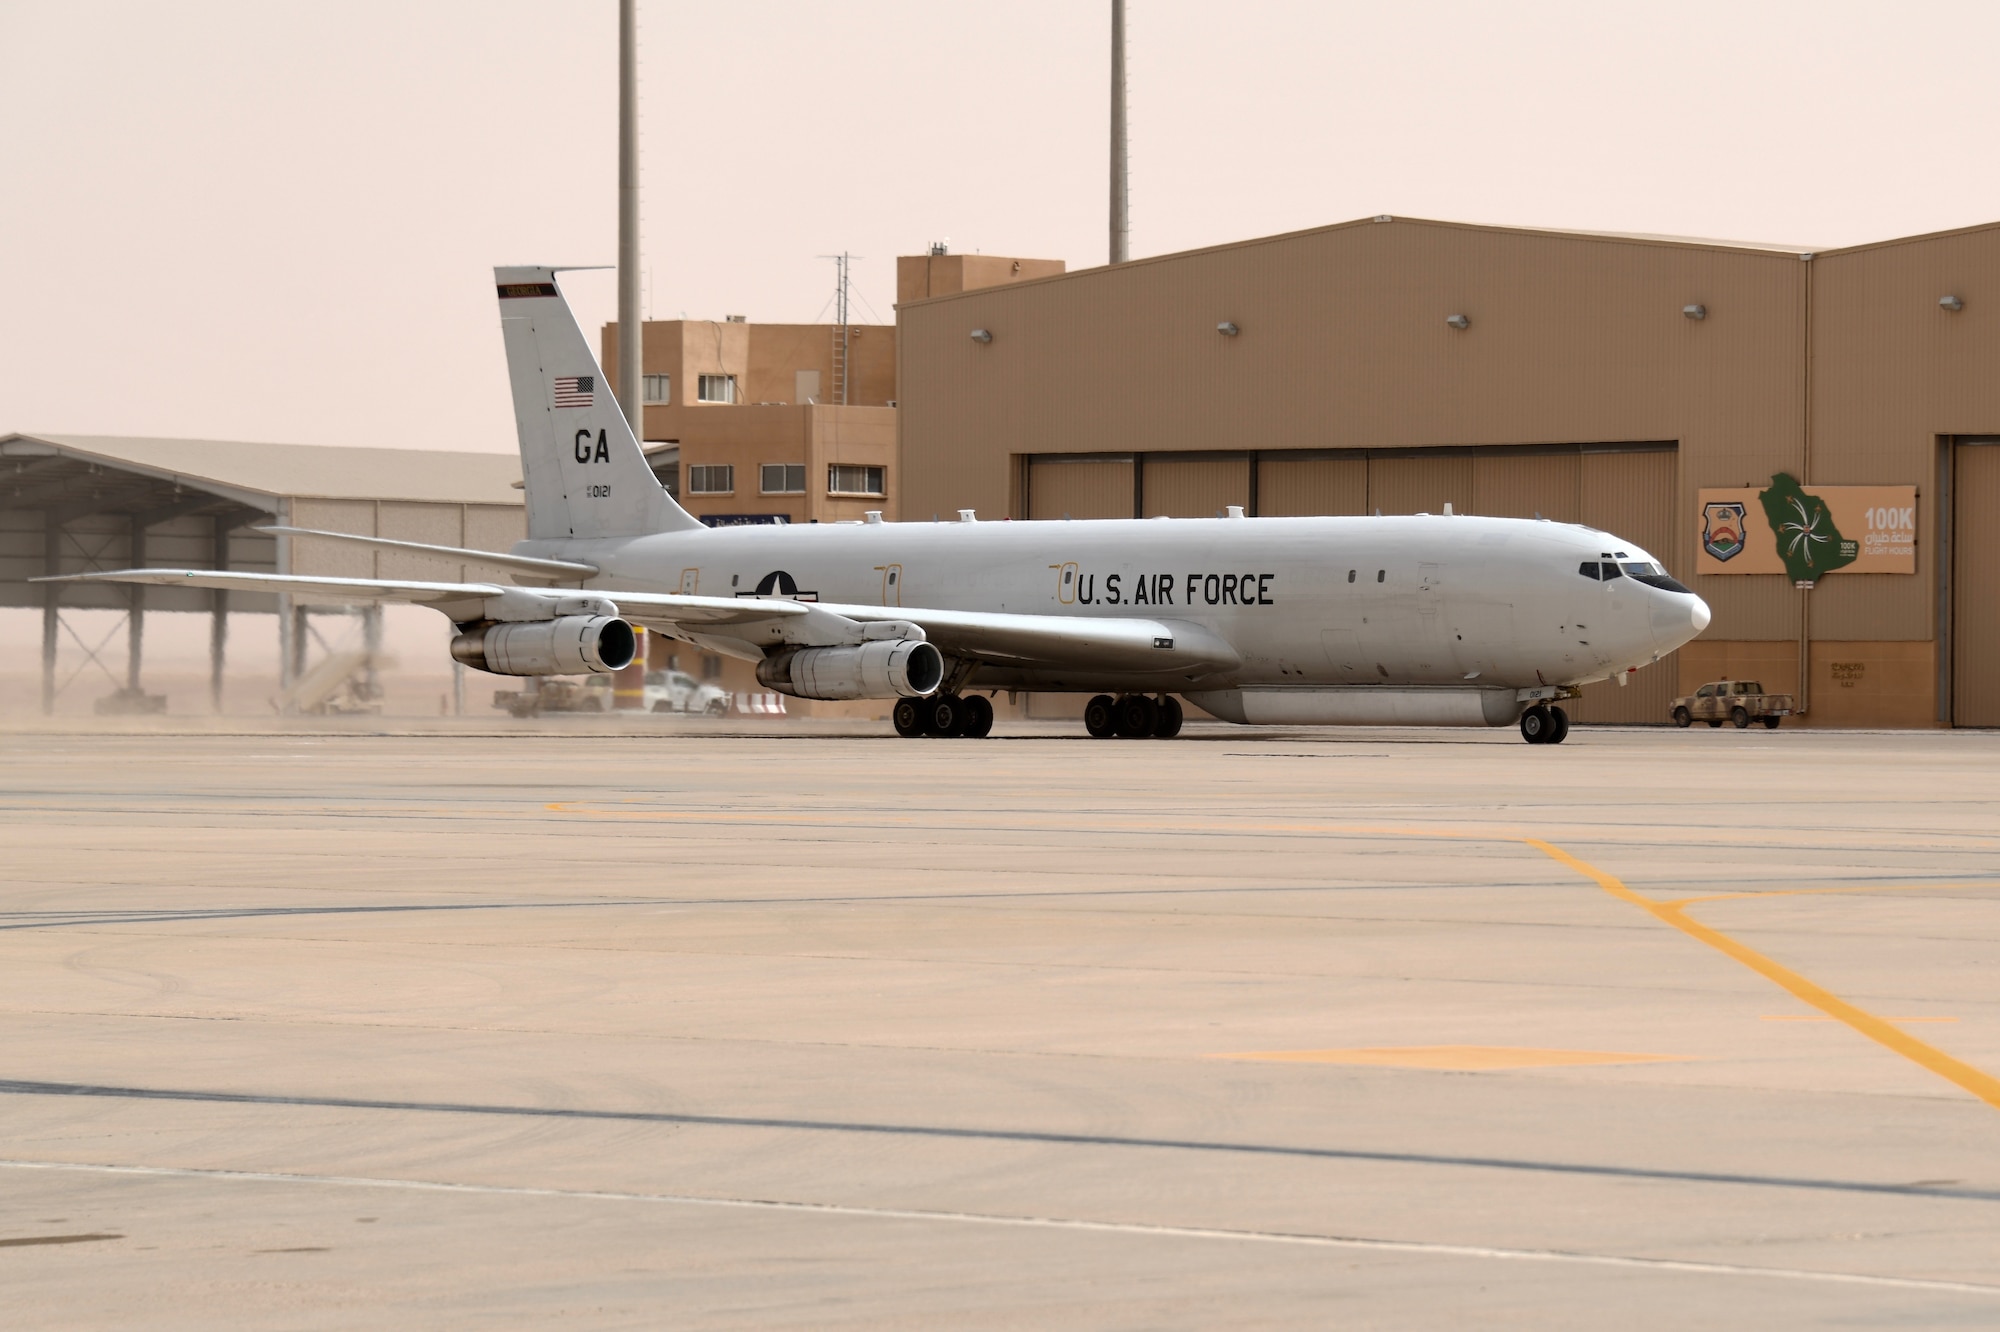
x: 981, y: 335
x: 1458, y: 321
x: 1695, y: 311
x: 1227, y: 329
x: 1951, y: 303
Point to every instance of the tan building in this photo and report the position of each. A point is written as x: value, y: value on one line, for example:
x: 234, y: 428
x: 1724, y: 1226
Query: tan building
x: 1397, y: 365
x: 770, y: 422
x: 811, y: 436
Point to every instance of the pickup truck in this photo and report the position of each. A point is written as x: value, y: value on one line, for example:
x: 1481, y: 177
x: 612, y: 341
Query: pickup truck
x: 1739, y: 701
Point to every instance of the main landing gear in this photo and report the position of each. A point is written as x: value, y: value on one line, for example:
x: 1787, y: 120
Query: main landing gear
x: 1133, y: 717
x: 944, y: 715
x: 1544, y: 726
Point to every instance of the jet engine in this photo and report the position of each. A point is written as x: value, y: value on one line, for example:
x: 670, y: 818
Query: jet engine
x: 893, y: 668
x: 566, y: 645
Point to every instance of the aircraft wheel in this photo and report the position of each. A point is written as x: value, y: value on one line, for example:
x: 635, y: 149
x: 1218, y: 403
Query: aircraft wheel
x: 908, y: 715
x: 1167, y: 719
x: 1100, y: 717
x: 1536, y: 725
x: 978, y: 723
x: 1559, y: 731
x: 1136, y: 715
x: 943, y: 714
x: 1771, y: 723
x: 1683, y: 718
x: 1739, y: 716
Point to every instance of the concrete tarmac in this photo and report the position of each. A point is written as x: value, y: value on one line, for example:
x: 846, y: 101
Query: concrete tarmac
x: 821, y: 1028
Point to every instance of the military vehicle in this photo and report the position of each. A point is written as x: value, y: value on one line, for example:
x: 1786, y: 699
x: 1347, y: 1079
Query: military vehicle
x: 1739, y: 701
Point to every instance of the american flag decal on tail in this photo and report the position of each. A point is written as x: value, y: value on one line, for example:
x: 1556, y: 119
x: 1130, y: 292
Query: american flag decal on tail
x: 575, y: 390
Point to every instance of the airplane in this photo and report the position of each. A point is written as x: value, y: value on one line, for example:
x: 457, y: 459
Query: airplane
x: 1427, y: 619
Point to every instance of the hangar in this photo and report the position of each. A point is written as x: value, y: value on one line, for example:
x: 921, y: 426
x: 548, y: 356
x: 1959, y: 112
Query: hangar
x: 75, y: 503
x: 1397, y: 365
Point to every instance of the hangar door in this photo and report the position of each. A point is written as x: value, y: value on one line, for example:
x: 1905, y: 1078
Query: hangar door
x: 1079, y: 487
x: 1975, y: 584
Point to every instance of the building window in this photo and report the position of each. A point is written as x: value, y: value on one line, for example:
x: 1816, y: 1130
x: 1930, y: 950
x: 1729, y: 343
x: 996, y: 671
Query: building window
x: 659, y: 389
x: 852, y: 479
x: 711, y: 479
x: 784, y: 479
x: 716, y: 388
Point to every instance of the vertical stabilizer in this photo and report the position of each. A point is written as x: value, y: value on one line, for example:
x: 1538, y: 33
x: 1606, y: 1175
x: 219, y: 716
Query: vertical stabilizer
x: 583, y: 471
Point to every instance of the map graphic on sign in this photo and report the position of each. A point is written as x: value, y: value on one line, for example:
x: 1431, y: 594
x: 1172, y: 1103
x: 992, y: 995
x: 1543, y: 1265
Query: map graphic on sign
x: 1809, y: 542
x: 1807, y: 532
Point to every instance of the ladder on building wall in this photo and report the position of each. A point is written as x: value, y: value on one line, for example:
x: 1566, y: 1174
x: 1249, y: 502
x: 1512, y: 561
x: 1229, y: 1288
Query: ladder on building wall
x: 842, y: 334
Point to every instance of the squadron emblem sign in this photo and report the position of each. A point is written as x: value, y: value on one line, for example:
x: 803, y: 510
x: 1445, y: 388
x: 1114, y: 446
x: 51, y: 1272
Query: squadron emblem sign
x: 1722, y: 529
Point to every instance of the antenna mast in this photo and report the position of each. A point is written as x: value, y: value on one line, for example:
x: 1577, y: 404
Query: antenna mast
x: 631, y: 331
x: 1121, y: 225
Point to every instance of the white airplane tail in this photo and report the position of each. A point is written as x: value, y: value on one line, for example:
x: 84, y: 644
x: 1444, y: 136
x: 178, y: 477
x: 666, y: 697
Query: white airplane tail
x: 584, y: 473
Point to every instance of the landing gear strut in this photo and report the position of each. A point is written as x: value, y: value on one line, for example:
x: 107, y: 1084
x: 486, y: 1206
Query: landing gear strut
x: 1133, y: 717
x: 1544, y: 725
x: 944, y: 715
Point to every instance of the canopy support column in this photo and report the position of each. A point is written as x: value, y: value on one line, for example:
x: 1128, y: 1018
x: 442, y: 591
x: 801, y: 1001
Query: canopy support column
x: 218, y: 624
x: 51, y: 614
x: 135, y: 615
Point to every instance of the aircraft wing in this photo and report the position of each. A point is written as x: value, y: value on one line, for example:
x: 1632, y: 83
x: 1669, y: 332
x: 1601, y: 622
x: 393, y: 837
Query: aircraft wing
x: 998, y: 638
x: 655, y: 608
x: 297, y: 585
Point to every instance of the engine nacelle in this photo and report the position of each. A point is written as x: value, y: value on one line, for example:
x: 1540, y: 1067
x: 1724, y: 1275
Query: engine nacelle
x: 567, y: 645
x: 894, y: 668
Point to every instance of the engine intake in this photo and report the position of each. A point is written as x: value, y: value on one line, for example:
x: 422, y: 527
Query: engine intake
x: 898, y: 668
x: 567, y: 645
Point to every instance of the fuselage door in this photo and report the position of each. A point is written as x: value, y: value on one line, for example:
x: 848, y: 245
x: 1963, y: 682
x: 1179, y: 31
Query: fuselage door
x: 1066, y: 577
x: 892, y: 584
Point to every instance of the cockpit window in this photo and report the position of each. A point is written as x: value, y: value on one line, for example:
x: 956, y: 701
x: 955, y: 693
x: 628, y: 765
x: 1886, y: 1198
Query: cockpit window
x: 1588, y: 568
x: 1652, y: 575
x: 1610, y: 571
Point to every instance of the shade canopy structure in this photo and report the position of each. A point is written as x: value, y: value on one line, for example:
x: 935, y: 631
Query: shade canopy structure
x: 74, y: 504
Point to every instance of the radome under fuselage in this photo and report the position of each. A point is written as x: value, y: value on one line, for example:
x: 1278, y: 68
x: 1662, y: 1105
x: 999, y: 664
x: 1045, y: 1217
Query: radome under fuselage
x: 1423, y: 601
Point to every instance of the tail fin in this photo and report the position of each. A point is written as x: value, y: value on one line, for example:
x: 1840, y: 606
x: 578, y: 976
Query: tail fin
x: 584, y: 473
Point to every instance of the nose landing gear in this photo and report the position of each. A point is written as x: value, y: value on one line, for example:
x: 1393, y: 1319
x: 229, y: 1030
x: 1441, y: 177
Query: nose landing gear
x: 1544, y: 725
x: 1133, y: 717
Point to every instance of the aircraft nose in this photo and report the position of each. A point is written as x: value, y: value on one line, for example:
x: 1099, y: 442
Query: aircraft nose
x: 1677, y: 619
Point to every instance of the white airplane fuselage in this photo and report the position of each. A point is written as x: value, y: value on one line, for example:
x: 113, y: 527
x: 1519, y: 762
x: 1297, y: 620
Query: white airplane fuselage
x: 1436, y: 612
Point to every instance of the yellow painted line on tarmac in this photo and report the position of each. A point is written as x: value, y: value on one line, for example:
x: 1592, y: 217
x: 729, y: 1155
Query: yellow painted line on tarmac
x: 1821, y: 1017
x: 1454, y: 1058
x: 1810, y: 892
x: 1956, y: 1071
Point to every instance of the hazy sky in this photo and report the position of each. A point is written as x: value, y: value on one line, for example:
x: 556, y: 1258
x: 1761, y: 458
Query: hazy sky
x: 275, y: 220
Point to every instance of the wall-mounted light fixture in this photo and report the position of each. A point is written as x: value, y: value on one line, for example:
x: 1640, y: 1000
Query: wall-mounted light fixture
x: 1458, y: 321
x: 1227, y: 329
x: 1695, y: 311
x: 981, y: 335
x: 1951, y: 303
